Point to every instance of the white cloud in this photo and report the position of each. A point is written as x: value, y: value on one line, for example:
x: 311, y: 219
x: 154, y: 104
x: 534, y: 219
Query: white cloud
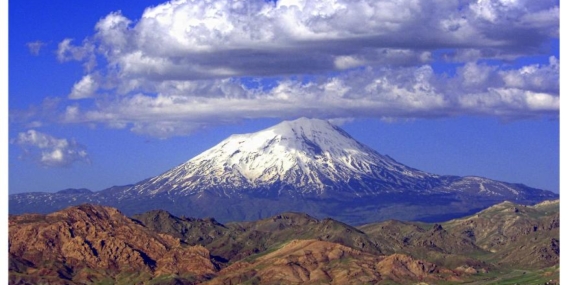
x: 35, y: 47
x: 49, y: 151
x: 340, y: 121
x: 186, y: 64
x: 476, y: 75
x: 197, y: 39
x: 347, y: 61
x: 184, y: 106
x: 534, y: 77
x: 510, y: 102
x: 84, y: 88
x: 66, y: 51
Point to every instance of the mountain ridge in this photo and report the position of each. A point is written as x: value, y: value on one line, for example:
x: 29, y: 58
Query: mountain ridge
x: 92, y: 244
x: 305, y: 165
x: 312, y: 156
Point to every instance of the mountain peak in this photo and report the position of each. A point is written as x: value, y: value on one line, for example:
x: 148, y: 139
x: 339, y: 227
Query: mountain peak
x: 302, y: 124
x: 301, y: 137
x: 315, y: 135
x: 306, y: 165
x: 300, y: 157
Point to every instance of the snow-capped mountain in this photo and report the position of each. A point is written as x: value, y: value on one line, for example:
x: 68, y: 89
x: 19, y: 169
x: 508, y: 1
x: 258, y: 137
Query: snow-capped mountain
x: 305, y: 165
x: 301, y: 157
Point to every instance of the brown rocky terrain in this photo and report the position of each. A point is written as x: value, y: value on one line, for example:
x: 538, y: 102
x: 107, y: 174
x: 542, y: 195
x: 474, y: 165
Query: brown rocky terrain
x: 399, y: 236
x: 322, y: 262
x: 93, y: 242
x: 504, y: 235
x: 517, y: 235
x: 234, y: 241
x: 429, y: 242
x: 90, y: 244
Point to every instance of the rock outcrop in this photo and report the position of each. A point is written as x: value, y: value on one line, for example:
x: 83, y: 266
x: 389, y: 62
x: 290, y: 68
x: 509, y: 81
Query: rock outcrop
x: 322, y: 262
x: 100, y: 239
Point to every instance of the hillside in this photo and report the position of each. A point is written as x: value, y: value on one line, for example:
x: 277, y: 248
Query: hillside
x: 89, y: 244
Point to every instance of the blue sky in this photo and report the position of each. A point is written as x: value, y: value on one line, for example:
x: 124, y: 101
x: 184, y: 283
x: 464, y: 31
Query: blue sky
x: 99, y: 97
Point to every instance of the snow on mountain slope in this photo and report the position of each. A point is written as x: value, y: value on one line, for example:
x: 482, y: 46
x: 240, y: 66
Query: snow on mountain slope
x: 304, y: 165
x: 300, y: 157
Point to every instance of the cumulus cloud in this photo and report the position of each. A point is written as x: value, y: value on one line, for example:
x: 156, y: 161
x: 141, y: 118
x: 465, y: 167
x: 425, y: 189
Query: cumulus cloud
x: 187, y: 64
x: 49, y: 151
x: 181, y: 107
x: 66, y: 51
x: 534, y: 77
x: 84, y: 88
x: 196, y: 39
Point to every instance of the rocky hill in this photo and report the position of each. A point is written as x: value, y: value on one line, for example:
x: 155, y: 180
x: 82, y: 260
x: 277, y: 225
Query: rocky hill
x: 234, y: 241
x: 318, y: 262
x: 517, y: 234
x: 91, y: 244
